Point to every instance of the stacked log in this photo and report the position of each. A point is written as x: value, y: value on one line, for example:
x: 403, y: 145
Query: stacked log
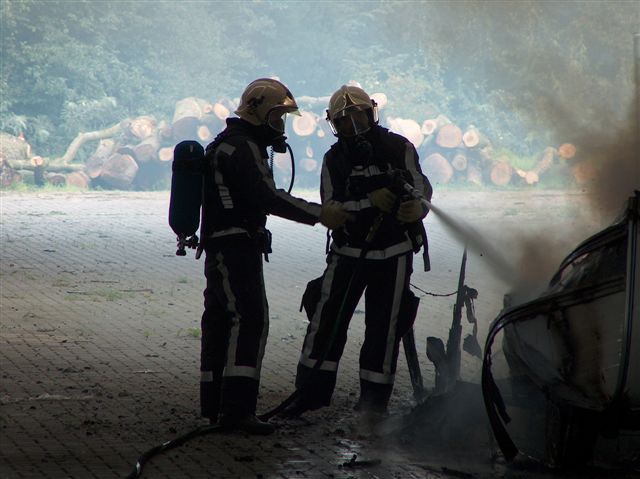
x: 437, y: 168
x: 501, y: 172
x: 119, y: 171
x: 305, y: 124
x: 138, y: 151
x: 449, y: 136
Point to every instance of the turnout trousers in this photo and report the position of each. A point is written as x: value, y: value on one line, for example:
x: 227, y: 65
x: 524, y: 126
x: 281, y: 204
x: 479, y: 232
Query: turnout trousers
x: 235, y: 325
x: 385, y: 284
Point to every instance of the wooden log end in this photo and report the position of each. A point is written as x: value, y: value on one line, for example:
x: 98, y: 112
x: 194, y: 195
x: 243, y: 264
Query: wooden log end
x: 437, y: 168
x: 305, y: 124
x: 37, y: 161
x: 309, y: 164
x: 501, y: 173
x: 584, y: 172
x: 380, y: 99
x: 166, y: 153
x: 78, y: 179
x: 449, y: 136
x: 429, y: 127
x: 566, y: 151
x: 204, y: 133
x: 471, y: 138
x: 119, y: 171
x: 221, y: 111
x: 459, y: 161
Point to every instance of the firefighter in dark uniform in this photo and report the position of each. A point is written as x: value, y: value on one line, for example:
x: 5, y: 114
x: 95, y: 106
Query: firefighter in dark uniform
x: 239, y: 192
x: 360, y: 172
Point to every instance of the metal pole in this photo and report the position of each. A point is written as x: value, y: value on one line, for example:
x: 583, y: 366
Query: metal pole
x: 636, y: 56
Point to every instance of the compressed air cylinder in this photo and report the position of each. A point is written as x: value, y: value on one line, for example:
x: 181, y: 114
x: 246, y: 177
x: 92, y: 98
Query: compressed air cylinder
x: 186, y: 188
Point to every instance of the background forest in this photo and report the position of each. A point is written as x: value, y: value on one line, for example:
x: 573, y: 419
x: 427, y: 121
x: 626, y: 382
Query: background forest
x: 528, y: 75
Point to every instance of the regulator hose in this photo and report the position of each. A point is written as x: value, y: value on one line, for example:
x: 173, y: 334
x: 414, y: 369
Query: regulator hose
x: 293, y: 165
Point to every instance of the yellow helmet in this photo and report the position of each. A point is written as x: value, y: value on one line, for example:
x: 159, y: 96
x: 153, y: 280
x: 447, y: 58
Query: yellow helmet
x: 351, y: 111
x: 266, y: 101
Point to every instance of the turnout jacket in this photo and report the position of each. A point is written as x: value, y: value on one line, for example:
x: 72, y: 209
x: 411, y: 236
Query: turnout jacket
x: 239, y: 191
x: 348, y: 180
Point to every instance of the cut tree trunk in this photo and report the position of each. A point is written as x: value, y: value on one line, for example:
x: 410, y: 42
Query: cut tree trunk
x: 305, y: 124
x: 501, y: 172
x: 432, y: 125
x: 409, y: 129
x: 79, y: 179
x: 141, y: 127
x: 82, y: 138
x: 584, y: 172
x: 545, y: 162
x: 380, y: 99
x: 309, y: 164
x: 48, y: 166
x: 166, y: 153
x: 185, y: 128
x: 459, y: 161
x: 147, y: 150
x: 449, y: 136
x: 472, y: 138
x: 93, y: 165
x: 119, y: 171
x: 221, y: 111
x: 204, y: 133
x: 437, y: 168
x: 190, y: 107
x: 186, y: 118
x: 566, y: 151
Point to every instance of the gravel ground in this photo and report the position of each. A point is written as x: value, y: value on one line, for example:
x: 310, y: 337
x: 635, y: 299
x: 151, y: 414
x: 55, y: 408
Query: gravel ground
x: 99, y: 338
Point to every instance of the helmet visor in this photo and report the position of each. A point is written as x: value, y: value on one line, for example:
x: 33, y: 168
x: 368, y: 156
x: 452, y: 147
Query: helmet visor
x: 356, y: 122
x: 277, y: 117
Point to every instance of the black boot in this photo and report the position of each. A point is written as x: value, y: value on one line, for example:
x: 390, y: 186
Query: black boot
x: 248, y: 423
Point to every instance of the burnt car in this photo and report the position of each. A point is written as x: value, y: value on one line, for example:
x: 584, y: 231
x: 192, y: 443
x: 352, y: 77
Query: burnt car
x: 564, y: 369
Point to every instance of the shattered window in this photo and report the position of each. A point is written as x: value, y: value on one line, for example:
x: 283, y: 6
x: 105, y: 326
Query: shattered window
x: 603, y: 264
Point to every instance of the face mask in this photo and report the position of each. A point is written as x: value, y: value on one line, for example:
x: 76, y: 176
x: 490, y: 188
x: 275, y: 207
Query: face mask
x: 354, y: 124
x: 361, y: 149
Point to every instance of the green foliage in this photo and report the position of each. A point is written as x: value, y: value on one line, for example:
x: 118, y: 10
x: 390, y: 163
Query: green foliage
x: 528, y: 74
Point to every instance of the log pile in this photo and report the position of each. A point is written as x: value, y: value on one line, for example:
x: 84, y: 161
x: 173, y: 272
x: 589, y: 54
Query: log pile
x: 137, y: 152
x: 134, y: 153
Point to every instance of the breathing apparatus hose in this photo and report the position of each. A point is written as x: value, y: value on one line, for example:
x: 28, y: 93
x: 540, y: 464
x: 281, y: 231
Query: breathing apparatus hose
x: 216, y: 428
x: 293, y: 165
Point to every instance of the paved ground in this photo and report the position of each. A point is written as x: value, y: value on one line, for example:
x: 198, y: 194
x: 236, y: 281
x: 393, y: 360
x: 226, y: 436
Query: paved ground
x: 99, y: 341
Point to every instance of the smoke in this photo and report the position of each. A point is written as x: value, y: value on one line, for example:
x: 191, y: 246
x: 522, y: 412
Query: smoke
x: 608, y: 143
x: 476, y: 243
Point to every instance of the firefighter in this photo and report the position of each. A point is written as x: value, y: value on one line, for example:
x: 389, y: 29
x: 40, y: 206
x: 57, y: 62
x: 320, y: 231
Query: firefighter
x: 239, y: 193
x: 360, y: 171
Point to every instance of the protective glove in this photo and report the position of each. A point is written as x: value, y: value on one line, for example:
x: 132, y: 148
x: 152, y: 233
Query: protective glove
x: 333, y: 215
x: 383, y: 199
x: 410, y: 211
